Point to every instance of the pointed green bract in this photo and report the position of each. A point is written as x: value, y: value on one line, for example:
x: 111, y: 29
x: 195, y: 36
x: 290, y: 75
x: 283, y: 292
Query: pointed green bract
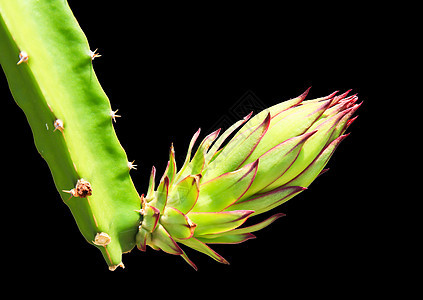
x: 214, y: 149
x: 237, y: 151
x: 239, y: 235
x: 202, y: 247
x: 198, y: 161
x: 160, y: 199
x: 151, y: 185
x: 311, y: 148
x: 232, y: 184
x: 297, y: 121
x: 177, y: 224
x: 228, y: 238
x: 171, y: 166
x: 182, y: 172
x: 184, y: 195
x: 258, y: 226
x: 264, y: 202
x: 307, y: 176
x: 162, y: 239
x: 151, y: 217
x: 141, y: 238
x: 217, y: 222
x: 274, y: 111
x: 275, y: 162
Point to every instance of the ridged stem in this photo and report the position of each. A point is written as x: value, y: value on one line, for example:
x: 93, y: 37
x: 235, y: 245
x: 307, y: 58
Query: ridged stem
x: 48, y: 65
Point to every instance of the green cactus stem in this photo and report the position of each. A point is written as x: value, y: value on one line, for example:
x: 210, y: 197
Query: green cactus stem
x: 48, y: 65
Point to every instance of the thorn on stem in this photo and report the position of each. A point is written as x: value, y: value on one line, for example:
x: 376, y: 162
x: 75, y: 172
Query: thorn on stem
x: 131, y: 165
x: 114, y: 115
x: 23, y: 57
x: 94, y: 54
x: 58, y: 125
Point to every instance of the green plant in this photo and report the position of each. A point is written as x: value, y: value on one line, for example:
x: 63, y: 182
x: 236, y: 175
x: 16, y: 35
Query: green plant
x: 272, y: 157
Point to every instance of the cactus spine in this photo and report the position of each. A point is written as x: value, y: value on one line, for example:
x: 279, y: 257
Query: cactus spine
x: 48, y: 65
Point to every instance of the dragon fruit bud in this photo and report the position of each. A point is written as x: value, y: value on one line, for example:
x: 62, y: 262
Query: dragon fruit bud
x: 271, y: 158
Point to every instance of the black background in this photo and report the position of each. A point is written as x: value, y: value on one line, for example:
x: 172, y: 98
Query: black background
x: 173, y: 69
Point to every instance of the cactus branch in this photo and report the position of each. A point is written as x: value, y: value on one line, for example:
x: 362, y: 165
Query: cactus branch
x: 48, y: 65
